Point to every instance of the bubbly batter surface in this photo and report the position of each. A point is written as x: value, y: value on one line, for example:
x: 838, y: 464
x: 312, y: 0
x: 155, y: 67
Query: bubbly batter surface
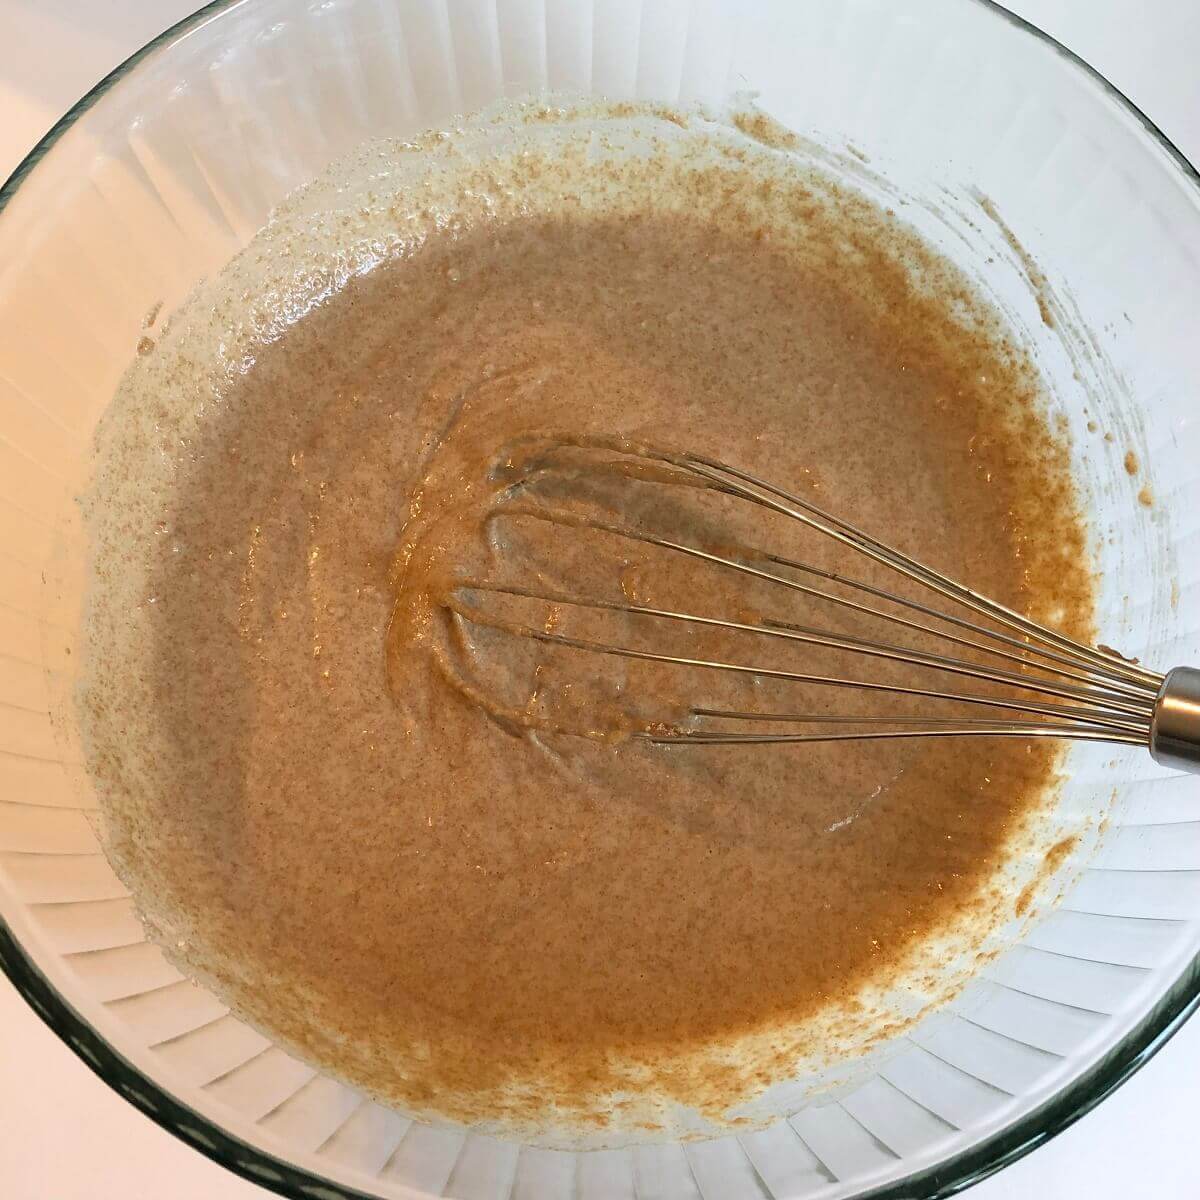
x: 354, y: 810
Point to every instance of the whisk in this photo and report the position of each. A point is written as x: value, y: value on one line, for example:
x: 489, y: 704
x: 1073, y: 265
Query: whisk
x: 1039, y: 682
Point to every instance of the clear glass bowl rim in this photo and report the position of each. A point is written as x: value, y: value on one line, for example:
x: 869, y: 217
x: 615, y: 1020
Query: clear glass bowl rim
x: 945, y: 1179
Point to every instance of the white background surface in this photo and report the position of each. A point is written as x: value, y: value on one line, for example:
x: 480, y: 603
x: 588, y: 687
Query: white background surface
x: 65, y: 1136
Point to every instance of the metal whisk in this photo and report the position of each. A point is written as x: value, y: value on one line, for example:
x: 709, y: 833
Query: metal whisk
x: 1048, y: 684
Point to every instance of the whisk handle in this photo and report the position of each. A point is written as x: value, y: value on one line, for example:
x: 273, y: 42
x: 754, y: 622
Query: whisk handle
x: 1175, y: 725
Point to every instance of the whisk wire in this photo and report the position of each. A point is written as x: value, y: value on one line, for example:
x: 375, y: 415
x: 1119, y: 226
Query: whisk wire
x: 1096, y: 718
x: 1055, y: 685
x: 1067, y: 732
x: 1068, y: 668
x: 789, y: 504
x: 829, y: 640
x: 1064, y: 667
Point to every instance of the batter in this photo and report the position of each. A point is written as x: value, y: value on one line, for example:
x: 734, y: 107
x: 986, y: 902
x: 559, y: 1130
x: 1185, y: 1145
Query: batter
x: 424, y: 853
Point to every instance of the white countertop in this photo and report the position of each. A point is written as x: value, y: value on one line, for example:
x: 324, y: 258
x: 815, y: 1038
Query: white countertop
x: 65, y: 1136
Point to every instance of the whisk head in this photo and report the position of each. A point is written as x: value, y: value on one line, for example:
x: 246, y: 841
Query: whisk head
x: 916, y: 653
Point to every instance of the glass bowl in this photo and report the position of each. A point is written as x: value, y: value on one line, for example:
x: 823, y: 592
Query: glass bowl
x: 959, y: 112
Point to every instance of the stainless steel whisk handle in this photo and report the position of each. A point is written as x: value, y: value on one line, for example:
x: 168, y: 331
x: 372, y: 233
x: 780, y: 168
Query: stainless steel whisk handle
x: 1175, y: 723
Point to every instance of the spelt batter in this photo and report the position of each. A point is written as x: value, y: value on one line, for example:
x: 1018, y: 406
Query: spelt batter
x: 350, y: 810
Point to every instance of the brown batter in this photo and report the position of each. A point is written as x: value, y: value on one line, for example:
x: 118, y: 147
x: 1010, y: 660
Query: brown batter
x: 349, y: 808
